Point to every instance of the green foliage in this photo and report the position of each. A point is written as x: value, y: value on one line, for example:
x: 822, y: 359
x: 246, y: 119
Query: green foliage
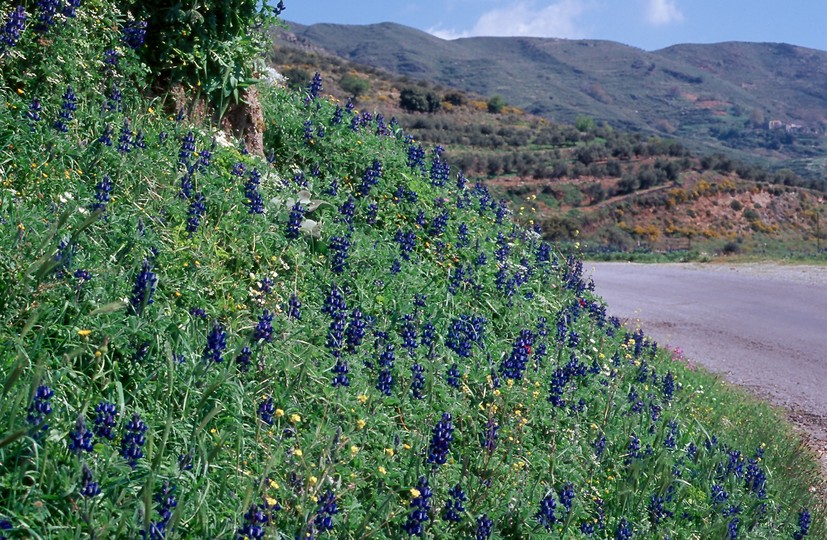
x: 209, y: 46
x: 496, y: 104
x: 416, y: 99
x: 354, y: 85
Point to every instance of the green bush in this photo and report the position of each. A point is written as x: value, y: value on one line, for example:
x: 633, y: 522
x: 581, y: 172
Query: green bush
x: 210, y: 46
x: 416, y: 99
x: 354, y: 85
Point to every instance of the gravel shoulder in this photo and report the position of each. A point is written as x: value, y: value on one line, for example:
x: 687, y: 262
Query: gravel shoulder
x: 762, y: 326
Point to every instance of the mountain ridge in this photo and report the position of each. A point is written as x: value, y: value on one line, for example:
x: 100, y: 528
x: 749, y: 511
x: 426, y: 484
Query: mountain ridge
x: 765, y: 100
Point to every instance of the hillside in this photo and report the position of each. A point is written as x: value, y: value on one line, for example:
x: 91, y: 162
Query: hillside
x: 339, y: 337
x: 711, y: 96
x: 613, y: 189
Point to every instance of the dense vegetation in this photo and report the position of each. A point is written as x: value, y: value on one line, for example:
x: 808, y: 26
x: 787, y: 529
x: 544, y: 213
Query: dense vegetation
x: 345, y: 338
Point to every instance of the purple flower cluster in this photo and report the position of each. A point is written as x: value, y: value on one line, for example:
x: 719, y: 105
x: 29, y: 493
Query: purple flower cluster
x: 12, y: 29
x: 294, y: 221
x: 441, y: 437
x: 133, y: 441
x: 420, y: 506
x: 143, y: 289
x: 216, y: 343
x: 255, y: 204
x: 67, y: 110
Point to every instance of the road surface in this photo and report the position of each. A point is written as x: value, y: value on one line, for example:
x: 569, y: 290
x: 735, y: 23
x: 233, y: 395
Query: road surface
x: 763, y: 326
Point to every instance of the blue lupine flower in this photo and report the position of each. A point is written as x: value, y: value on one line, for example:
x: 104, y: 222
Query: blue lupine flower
x: 196, y: 210
x: 408, y: 334
x: 453, y: 376
x: 732, y: 529
x: 266, y: 409
x: 166, y: 502
x: 105, y: 420
x: 657, y: 512
x: 280, y: 8
x: 334, y: 302
x: 407, y: 243
x: 254, y: 521
x: 125, y: 139
x: 515, y: 365
x: 12, y: 29
x: 205, y: 157
x: 255, y: 203
x: 370, y: 178
x: 396, y: 266
x: 490, y: 436
x: 80, y: 440
x: 545, y: 515
x: 355, y: 333
x: 668, y: 386
x: 624, y: 531
x: 370, y: 215
x: 264, y: 328
x: 340, y: 371
x: 110, y: 59
x: 40, y: 409
x: 462, y: 236
x: 33, y: 114
x: 420, y: 506
x: 133, y: 441
x: 325, y: 512
x: 337, y: 115
x: 756, y: 479
x: 294, y: 307
x: 89, y: 488
x: 143, y: 290
x: 417, y: 381
x: 244, y: 359
x: 804, y: 519
x: 501, y: 212
x: 453, y: 506
x: 103, y: 189
x: 718, y: 495
x: 308, y: 131
x: 114, y: 100
x: 633, y: 449
x: 314, y: 87
x: 347, y: 210
x: 340, y: 246
x: 567, y: 496
x: 46, y: 17
x: 69, y: 10
x: 464, y: 332
x: 133, y: 34
x: 187, y: 148
x: 440, y: 170
x: 416, y: 157
x: 294, y: 221
x: 485, y: 526
x: 420, y: 300
x: 385, y: 382
x: 216, y: 343
x: 441, y: 438
x: 67, y: 110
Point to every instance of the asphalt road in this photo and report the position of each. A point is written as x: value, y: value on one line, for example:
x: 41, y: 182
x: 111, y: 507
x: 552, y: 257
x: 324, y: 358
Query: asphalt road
x: 763, y: 326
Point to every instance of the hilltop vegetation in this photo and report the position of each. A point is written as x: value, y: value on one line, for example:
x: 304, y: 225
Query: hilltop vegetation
x: 341, y: 338
x: 609, y: 189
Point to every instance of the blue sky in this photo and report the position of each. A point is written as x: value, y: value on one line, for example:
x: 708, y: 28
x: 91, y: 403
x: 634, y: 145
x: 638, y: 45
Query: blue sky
x: 648, y: 24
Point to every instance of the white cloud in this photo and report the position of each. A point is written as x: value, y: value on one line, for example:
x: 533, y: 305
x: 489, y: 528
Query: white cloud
x: 663, y: 12
x: 525, y: 18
